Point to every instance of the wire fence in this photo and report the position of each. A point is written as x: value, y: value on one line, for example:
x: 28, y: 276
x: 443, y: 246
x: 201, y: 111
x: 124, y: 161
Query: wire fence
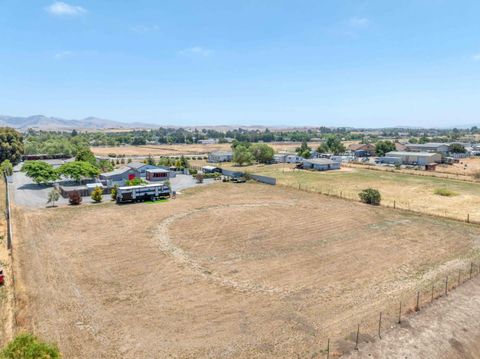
x: 348, y: 332
x: 334, y: 191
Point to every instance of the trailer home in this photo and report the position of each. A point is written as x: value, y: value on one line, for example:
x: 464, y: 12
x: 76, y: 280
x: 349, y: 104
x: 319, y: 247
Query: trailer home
x: 149, y: 192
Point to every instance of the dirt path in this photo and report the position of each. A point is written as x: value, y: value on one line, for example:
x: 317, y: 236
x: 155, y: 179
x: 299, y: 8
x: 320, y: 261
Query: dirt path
x: 449, y: 328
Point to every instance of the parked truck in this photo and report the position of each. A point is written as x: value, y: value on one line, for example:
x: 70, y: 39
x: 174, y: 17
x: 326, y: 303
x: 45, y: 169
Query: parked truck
x: 149, y: 192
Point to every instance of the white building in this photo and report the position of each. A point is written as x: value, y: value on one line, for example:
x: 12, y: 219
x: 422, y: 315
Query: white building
x: 220, y: 156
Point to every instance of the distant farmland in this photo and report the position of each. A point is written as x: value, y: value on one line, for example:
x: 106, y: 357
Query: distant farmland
x: 225, y: 270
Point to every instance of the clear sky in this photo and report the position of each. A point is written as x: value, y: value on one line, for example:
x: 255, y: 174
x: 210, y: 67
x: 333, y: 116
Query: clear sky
x: 272, y: 62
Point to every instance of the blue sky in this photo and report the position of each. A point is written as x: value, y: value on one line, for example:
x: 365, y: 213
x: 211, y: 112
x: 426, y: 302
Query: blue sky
x: 271, y: 62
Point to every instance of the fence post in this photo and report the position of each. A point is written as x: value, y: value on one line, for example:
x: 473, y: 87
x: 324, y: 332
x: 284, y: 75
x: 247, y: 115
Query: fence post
x: 417, y: 307
x: 400, y: 314
x: 328, y: 348
x: 468, y: 217
x: 356, y: 340
x: 380, y: 326
x: 394, y: 204
x: 471, y: 269
x: 459, y: 274
x: 433, y: 285
x: 446, y: 285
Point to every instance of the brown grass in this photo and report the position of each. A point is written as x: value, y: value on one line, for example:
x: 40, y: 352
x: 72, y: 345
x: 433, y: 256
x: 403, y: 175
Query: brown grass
x: 224, y: 270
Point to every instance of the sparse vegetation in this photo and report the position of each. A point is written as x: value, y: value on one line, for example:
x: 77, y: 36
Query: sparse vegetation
x: 445, y: 192
x: 53, y: 196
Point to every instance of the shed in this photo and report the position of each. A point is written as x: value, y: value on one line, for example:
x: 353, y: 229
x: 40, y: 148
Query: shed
x: 157, y: 174
x: 220, y: 156
x: 320, y: 164
x: 416, y: 158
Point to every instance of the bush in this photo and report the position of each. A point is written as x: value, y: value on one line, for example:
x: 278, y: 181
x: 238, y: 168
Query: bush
x: 370, y: 196
x: 445, y: 192
x: 199, y: 177
x: 192, y: 171
x: 135, y: 182
x: 97, y: 194
x: 114, y: 192
x: 27, y: 346
x: 74, y: 198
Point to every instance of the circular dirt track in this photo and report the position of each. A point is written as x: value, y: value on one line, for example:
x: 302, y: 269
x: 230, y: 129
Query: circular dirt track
x: 216, y: 247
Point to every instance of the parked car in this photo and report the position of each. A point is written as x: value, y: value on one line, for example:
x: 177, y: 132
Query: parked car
x: 239, y: 179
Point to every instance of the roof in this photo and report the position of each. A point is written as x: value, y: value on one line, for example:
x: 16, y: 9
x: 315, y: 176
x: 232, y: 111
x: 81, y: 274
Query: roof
x: 321, y: 161
x: 209, y: 167
x: 158, y: 170
x: 222, y: 153
x: 118, y: 171
x: 404, y: 153
x: 426, y: 145
x: 360, y: 146
x: 151, y: 185
x: 137, y: 165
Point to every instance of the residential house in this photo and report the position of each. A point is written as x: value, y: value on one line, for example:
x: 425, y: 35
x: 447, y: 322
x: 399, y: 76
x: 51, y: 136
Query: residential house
x: 320, y: 164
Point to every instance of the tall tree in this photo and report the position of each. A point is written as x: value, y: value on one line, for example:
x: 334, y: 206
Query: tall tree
x: 40, y: 172
x: 304, y: 151
x: 11, y: 145
x: 77, y: 170
x: 263, y: 153
x: 383, y: 147
x: 242, y: 155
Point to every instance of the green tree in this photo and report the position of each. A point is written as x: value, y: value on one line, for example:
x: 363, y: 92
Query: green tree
x: 11, y: 145
x: 6, y: 167
x: 262, y: 153
x: 333, y: 144
x: 304, y: 151
x: 105, y: 165
x: 370, y: 196
x: 84, y: 154
x: 242, y: 155
x: 27, y: 346
x: 77, y: 170
x: 53, y: 196
x: 40, y: 172
x: 457, y: 148
x: 97, y: 194
x: 383, y: 147
x: 150, y: 160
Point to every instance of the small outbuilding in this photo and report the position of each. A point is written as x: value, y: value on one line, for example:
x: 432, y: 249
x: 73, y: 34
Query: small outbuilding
x: 157, y: 174
x: 220, y: 156
x: 211, y: 169
x: 416, y: 158
x: 320, y: 164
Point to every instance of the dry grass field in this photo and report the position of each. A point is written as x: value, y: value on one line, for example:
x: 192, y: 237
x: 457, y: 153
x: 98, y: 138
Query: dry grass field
x: 406, y: 190
x: 182, y: 149
x: 233, y: 271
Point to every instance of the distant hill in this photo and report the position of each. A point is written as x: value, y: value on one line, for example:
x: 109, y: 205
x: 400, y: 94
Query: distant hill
x: 40, y: 122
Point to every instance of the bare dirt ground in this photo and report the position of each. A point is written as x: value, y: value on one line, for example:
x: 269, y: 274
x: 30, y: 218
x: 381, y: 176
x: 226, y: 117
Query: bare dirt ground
x: 235, y: 271
x: 448, y: 329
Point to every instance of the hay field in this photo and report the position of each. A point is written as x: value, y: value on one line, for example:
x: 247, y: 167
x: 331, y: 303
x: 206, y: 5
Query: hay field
x: 233, y: 271
x: 408, y: 191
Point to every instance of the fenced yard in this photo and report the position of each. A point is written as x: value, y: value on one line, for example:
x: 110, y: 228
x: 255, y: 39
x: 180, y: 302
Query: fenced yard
x: 398, y: 190
x: 230, y: 271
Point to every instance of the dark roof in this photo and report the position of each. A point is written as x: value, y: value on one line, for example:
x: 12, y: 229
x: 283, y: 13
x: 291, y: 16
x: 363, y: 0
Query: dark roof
x: 116, y: 172
x: 136, y: 165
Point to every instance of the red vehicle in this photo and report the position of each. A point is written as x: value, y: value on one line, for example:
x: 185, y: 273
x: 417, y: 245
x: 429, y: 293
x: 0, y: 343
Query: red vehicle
x: 2, y: 277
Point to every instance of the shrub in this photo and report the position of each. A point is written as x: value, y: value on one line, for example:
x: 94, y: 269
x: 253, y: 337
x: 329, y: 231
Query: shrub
x: 370, y: 196
x: 6, y: 167
x: 199, y: 177
x: 192, y: 171
x: 114, y: 192
x: 135, y: 182
x: 97, y: 194
x: 445, y: 192
x: 74, y: 198
x: 27, y: 346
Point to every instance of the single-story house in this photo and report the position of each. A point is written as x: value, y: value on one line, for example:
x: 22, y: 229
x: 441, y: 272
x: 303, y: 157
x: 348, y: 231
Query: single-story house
x: 220, y: 156
x: 320, y: 164
x: 416, y: 158
x: 362, y: 149
x: 442, y: 148
x: 211, y: 169
x: 141, y: 167
x: 158, y: 174
x: 119, y: 176
x: 287, y: 158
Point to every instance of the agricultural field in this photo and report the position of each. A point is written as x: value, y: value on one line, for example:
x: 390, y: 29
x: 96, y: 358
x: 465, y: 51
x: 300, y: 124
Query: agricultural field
x: 225, y: 270
x: 407, y: 191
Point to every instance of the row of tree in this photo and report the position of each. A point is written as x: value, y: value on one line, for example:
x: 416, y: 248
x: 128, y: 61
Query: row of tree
x: 245, y: 153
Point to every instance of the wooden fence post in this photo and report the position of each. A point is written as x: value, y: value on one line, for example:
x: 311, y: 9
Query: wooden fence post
x: 417, y: 307
x: 380, y: 326
x: 356, y: 340
x: 400, y: 314
x: 459, y: 274
x: 446, y: 285
x: 433, y: 285
x: 471, y: 269
x: 328, y: 348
